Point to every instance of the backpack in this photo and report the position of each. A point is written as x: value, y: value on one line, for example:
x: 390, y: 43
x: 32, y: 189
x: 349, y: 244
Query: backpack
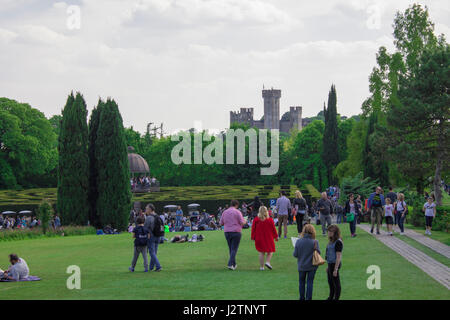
x: 158, y: 227
x: 141, y: 235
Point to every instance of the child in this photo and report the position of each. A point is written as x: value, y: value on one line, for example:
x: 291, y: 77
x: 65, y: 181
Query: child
x: 388, y: 214
x: 141, y: 236
x: 430, y: 212
x: 334, y: 257
x: 401, y: 209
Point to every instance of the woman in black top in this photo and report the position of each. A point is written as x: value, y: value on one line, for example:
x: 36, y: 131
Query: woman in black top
x: 352, y: 209
x: 300, y: 206
x: 334, y: 258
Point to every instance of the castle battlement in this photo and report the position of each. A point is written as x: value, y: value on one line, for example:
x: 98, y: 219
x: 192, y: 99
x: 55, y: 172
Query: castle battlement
x: 271, y: 114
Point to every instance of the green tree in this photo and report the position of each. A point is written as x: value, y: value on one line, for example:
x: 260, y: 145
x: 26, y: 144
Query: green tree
x: 73, y: 167
x: 27, y: 145
x: 355, y: 147
x: 344, y: 130
x: 330, y: 137
x: 94, y: 120
x: 114, y: 195
x: 422, y: 116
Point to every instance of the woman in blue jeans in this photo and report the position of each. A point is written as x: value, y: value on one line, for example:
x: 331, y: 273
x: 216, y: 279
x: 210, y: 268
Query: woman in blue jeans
x: 304, y: 249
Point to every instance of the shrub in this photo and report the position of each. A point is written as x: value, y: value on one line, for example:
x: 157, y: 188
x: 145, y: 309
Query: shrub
x: 22, y: 234
x: 45, y: 212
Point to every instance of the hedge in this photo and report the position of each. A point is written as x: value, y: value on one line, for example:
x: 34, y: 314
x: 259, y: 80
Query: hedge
x: 22, y: 234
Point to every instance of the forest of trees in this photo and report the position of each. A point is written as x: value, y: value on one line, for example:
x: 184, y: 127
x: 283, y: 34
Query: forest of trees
x: 401, y: 137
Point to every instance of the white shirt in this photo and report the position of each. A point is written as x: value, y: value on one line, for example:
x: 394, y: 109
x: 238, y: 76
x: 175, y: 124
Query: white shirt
x: 401, y: 205
x: 19, y: 270
x: 388, y: 210
x: 429, y: 209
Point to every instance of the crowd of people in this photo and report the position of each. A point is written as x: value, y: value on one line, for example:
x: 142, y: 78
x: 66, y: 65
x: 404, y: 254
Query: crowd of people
x: 143, y: 182
x: 178, y: 222
x: 263, y: 221
x: 9, y: 222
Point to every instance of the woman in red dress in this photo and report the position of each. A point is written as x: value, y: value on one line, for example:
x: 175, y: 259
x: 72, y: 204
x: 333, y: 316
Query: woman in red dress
x: 264, y: 233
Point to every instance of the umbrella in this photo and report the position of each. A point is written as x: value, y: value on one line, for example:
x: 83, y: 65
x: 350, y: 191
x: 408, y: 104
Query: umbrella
x: 8, y: 212
x: 193, y: 205
x: 171, y: 206
x: 25, y: 212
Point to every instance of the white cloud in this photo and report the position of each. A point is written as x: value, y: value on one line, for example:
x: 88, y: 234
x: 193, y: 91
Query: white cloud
x: 180, y: 61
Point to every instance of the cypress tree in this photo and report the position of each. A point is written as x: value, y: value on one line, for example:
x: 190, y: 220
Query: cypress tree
x: 73, y: 165
x: 93, y: 165
x: 330, y: 153
x: 113, y: 184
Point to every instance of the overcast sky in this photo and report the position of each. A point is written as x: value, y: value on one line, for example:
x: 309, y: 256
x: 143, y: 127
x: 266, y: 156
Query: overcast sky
x: 180, y: 61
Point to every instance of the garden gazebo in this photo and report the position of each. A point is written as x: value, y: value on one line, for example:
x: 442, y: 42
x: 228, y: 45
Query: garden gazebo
x: 138, y: 167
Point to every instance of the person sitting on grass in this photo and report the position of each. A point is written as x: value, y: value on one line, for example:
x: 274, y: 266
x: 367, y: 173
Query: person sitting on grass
x: 264, y: 233
x: 18, y: 270
x: 141, y: 236
x: 430, y: 212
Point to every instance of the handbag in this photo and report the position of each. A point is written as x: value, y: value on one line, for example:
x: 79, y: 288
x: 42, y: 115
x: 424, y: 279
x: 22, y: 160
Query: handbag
x: 317, y: 260
x: 350, y: 217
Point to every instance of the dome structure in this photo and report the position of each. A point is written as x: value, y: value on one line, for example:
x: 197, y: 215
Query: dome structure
x: 137, y: 163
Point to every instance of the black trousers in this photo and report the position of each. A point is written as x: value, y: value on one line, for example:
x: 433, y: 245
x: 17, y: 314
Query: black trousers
x: 334, y: 283
x: 299, y: 219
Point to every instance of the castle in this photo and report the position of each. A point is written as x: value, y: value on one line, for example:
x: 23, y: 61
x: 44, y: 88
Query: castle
x: 271, y: 118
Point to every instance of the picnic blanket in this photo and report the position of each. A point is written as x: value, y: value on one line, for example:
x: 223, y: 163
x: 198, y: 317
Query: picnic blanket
x: 29, y: 278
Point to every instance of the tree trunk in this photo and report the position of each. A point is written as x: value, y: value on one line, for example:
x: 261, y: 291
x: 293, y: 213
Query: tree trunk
x: 439, y: 161
x: 420, y: 187
x: 437, y: 180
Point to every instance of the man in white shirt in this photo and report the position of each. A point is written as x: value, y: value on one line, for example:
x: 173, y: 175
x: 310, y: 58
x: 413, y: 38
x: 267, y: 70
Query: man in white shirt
x: 18, y: 269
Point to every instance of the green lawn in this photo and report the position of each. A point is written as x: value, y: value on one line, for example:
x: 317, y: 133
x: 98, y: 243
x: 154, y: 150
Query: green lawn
x: 197, y: 270
x: 441, y: 236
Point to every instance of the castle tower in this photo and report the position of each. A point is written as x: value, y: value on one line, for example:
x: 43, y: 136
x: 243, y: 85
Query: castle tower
x: 296, y: 118
x: 271, y: 108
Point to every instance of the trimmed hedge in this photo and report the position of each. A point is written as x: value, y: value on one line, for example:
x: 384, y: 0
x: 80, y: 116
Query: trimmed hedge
x: 313, y: 192
x: 209, y: 197
x: 22, y: 234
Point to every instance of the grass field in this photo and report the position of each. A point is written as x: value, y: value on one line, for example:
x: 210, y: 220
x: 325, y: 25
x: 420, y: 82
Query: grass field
x: 197, y: 270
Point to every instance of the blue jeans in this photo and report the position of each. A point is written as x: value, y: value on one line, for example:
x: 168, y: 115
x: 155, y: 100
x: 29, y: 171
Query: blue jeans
x: 400, y: 222
x: 339, y: 218
x: 178, y: 221
x: 302, y: 275
x: 352, y: 225
x: 153, y: 251
x: 233, y: 240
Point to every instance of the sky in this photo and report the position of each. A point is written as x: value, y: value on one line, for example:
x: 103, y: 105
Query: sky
x: 181, y: 62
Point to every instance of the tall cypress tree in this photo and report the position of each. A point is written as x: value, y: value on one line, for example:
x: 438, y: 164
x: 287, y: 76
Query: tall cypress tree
x: 73, y: 166
x: 330, y: 153
x: 113, y: 184
x: 93, y: 165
